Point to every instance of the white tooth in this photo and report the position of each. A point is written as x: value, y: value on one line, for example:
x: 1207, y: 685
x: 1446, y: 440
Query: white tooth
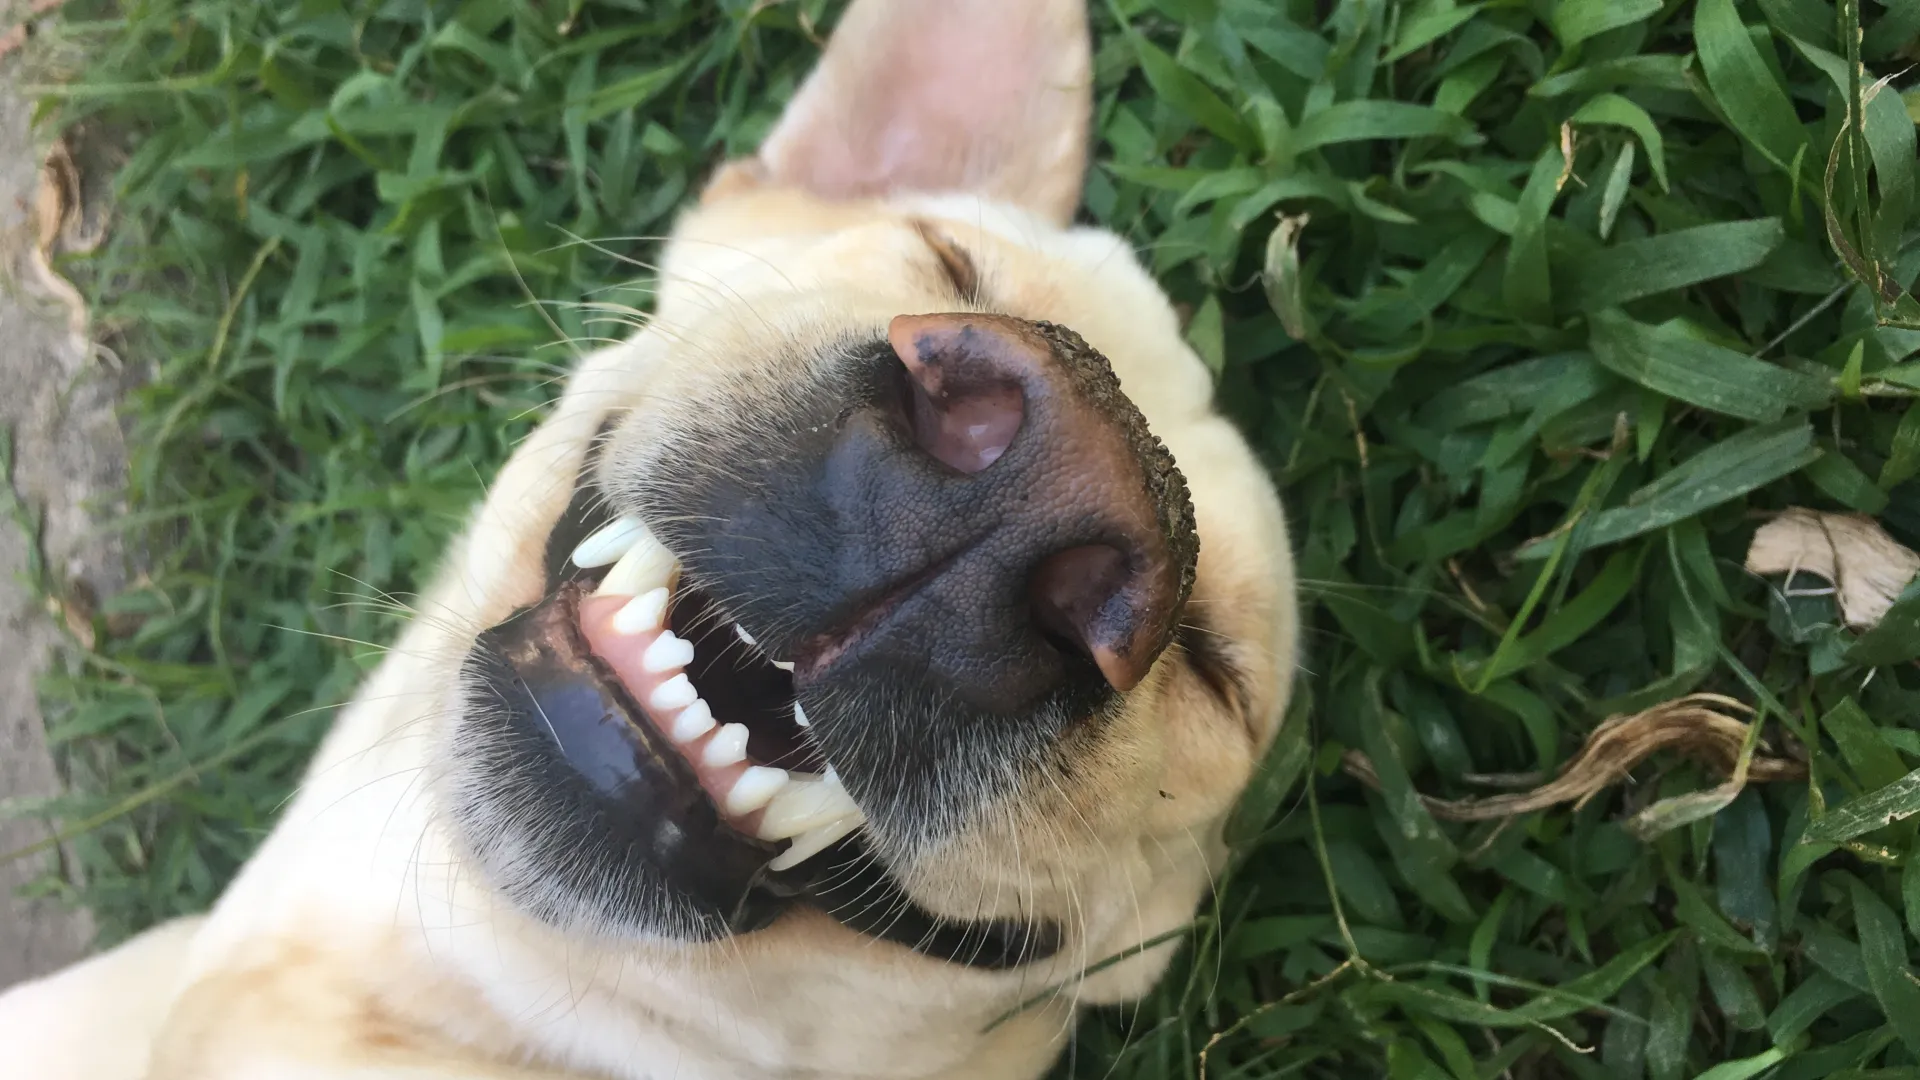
x: 647, y: 564
x: 609, y: 542
x: 743, y: 635
x: 643, y: 613
x: 694, y: 721
x: 804, y: 806
x: 667, y: 653
x: 783, y: 665
x: 800, y: 715
x: 754, y: 788
x: 727, y: 747
x: 675, y: 693
x: 808, y: 844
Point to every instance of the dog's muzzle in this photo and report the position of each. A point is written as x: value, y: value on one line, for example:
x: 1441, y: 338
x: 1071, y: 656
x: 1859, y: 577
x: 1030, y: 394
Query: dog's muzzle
x: 874, y: 613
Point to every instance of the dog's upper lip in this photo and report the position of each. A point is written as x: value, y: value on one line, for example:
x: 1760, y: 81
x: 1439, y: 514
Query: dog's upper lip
x: 818, y: 652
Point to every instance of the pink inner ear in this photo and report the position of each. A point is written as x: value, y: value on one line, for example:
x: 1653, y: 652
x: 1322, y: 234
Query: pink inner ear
x: 984, y: 96
x: 938, y: 101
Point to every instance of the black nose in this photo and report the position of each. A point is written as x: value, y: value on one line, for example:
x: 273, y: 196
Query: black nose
x: 1074, y: 512
x: 968, y: 511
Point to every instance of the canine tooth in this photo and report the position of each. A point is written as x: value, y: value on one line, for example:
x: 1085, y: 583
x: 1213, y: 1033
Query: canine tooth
x: 756, y: 786
x: 800, y: 714
x: 675, y: 693
x: 783, y: 665
x: 811, y: 843
x: 668, y: 652
x: 645, y: 612
x: 647, y: 564
x: 741, y: 632
x: 609, y: 542
x: 694, y: 721
x: 805, y: 805
x: 727, y: 747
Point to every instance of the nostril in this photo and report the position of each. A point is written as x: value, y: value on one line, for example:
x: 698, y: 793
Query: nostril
x: 967, y: 430
x: 1079, y: 597
x: 966, y: 383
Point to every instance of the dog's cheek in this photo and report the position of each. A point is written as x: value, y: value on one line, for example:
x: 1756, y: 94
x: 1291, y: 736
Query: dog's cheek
x: 1207, y: 758
x: 499, y: 563
x: 1173, y: 883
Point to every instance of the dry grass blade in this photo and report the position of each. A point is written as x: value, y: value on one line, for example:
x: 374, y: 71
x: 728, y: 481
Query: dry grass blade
x: 1695, y: 725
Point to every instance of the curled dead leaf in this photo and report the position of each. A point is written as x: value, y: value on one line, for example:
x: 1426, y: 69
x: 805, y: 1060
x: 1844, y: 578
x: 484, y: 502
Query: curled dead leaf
x: 56, y: 214
x: 1283, y: 277
x: 1868, y: 568
x: 75, y: 610
x: 1567, y: 141
x: 1697, y: 725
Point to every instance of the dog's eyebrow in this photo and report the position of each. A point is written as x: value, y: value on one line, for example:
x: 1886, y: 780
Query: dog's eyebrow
x: 953, y: 259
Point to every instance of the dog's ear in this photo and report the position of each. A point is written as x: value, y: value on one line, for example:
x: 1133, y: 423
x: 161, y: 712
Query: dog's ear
x: 987, y: 97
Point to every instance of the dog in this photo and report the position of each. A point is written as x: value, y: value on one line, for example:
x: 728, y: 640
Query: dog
x: 853, y: 658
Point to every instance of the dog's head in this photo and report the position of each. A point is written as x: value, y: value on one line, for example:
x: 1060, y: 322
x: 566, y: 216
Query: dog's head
x: 898, y: 568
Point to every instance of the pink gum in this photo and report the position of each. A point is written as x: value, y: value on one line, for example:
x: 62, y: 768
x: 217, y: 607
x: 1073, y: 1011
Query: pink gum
x: 622, y: 652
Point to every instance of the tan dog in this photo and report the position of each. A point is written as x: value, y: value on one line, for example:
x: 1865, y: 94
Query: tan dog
x: 830, y: 673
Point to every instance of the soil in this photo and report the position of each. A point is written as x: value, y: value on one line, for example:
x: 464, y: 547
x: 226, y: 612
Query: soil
x: 58, y: 399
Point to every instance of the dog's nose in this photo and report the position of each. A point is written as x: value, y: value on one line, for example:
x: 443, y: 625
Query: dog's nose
x: 1077, y: 540
x: 967, y: 512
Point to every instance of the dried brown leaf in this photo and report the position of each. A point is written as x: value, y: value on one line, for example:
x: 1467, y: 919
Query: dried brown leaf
x: 1692, y: 725
x: 56, y: 211
x: 1868, y: 568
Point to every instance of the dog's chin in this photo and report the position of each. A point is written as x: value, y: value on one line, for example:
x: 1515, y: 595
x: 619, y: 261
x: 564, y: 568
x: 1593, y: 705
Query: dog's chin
x: 628, y: 763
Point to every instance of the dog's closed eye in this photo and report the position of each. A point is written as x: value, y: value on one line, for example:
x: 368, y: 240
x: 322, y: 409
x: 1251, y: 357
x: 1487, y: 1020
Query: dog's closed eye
x: 1207, y: 651
x: 954, y: 261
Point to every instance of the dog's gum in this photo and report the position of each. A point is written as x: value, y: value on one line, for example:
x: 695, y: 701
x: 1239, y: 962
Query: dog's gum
x: 710, y: 750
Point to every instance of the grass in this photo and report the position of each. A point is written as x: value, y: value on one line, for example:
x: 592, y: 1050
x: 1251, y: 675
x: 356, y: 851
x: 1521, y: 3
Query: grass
x: 1536, y: 309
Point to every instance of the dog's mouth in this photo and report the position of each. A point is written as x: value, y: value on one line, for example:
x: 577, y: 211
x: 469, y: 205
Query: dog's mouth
x: 673, y: 748
x: 703, y: 682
